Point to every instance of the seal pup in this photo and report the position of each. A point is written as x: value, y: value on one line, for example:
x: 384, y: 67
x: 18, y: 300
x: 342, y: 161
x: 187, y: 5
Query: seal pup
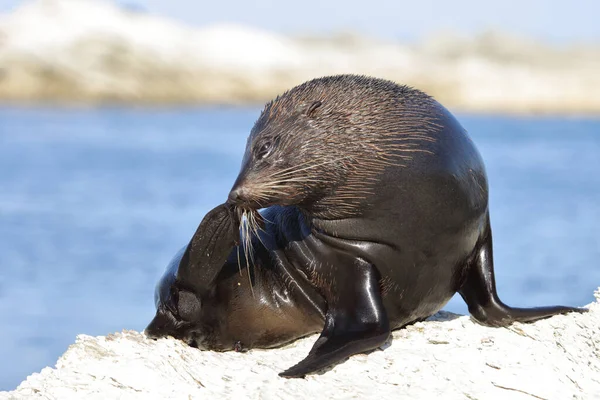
x: 375, y: 209
x: 191, y: 274
x: 210, y: 298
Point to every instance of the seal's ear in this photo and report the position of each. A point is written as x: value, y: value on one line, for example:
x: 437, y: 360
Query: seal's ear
x: 313, y: 107
x: 308, y: 108
x: 189, y: 305
x: 209, y: 249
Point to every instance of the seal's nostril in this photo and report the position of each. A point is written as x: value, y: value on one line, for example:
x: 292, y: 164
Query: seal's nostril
x: 235, y: 195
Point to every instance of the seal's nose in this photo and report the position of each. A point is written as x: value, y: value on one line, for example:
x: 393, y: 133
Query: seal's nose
x: 236, y: 195
x: 159, y: 327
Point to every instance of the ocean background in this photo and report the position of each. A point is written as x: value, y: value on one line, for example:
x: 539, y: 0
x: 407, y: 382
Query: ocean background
x: 95, y: 201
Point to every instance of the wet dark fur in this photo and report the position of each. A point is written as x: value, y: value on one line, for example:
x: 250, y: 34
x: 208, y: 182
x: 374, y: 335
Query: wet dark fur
x: 376, y: 215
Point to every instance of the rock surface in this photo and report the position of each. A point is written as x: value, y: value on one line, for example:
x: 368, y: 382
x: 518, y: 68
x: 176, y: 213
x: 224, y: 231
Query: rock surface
x: 86, y: 51
x: 448, y: 356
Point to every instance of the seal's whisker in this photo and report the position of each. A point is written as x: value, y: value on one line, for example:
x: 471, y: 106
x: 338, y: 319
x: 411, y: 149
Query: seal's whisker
x: 238, y: 260
x: 247, y: 243
x: 295, y: 170
x: 256, y: 228
x: 239, y: 213
x: 266, y: 220
x: 264, y: 190
x: 269, y: 191
x: 286, y: 169
x: 300, y: 167
x: 293, y: 179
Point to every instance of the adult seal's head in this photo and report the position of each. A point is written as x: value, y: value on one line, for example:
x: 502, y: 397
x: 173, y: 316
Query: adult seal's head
x: 325, y: 145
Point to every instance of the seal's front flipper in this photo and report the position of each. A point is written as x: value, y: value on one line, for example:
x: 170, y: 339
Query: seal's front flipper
x: 209, y: 248
x: 356, y: 320
x: 479, y: 292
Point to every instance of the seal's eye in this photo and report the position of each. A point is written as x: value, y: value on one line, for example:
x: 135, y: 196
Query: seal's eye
x: 264, y: 150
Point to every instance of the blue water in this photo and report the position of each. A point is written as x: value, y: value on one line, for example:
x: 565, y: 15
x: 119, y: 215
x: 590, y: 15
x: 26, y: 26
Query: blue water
x: 94, y: 202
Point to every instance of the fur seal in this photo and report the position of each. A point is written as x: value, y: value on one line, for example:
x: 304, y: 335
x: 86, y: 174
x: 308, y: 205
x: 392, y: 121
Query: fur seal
x: 374, y: 208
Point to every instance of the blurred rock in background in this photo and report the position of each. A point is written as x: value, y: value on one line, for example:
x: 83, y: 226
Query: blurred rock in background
x: 86, y: 51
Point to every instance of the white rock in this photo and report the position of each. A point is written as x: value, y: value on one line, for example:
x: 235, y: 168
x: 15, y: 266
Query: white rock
x: 447, y: 357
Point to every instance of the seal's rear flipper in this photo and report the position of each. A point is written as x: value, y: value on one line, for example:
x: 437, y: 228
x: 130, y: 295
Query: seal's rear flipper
x: 356, y: 321
x: 479, y: 292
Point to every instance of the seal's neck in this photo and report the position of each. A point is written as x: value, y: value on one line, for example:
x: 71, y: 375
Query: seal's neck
x: 333, y: 208
x: 362, y: 225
